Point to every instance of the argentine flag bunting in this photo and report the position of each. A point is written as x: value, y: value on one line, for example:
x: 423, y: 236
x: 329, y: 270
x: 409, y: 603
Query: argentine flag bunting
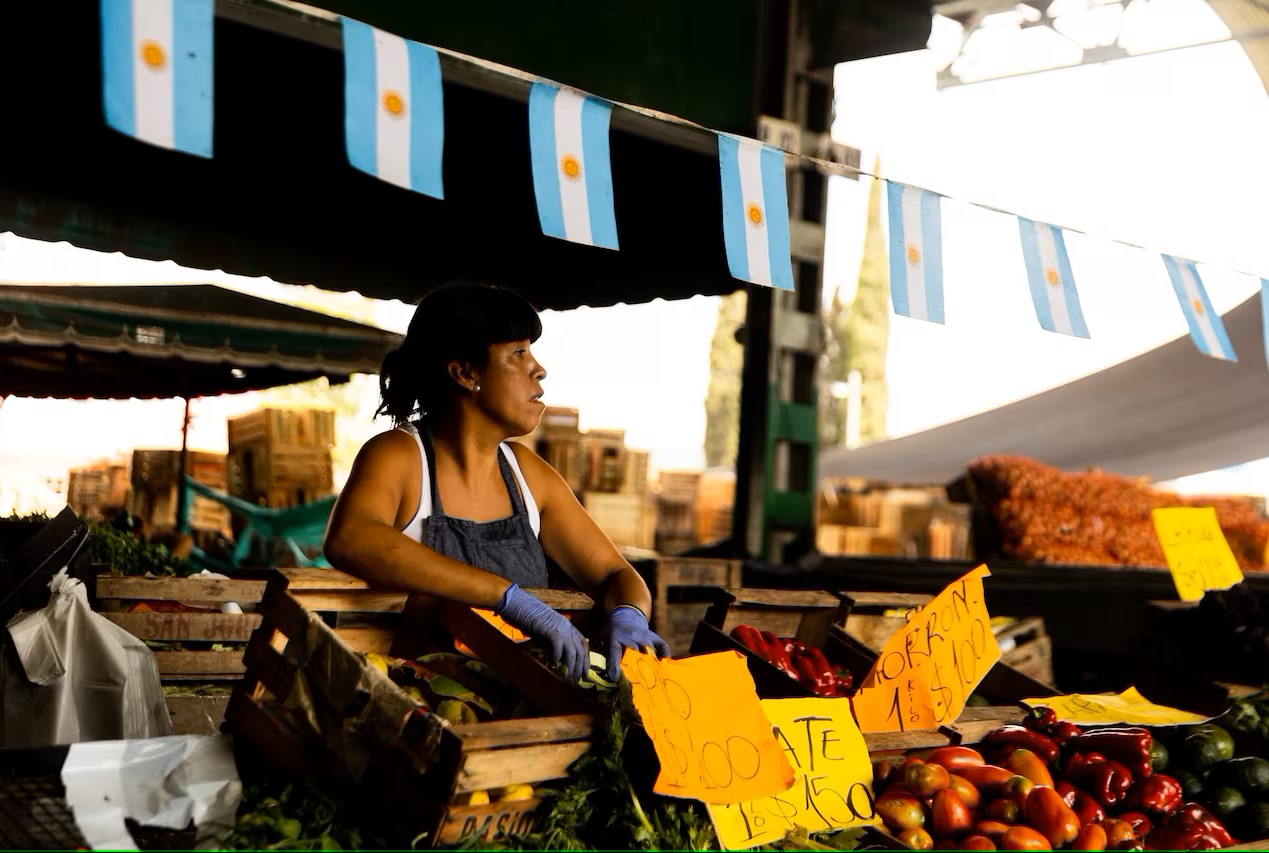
x: 1206, y: 327
x: 1057, y: 304
x: 394, y: 115
x: 1264, y: 309
x: 156, y: 58
x: 916, y: 252
x: 755, y: 212
x: 572, y: 168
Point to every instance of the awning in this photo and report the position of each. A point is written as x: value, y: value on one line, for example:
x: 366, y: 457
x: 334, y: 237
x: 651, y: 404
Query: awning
x: 1164, y: 414
x: 190, y: 340
x: 278, y: 198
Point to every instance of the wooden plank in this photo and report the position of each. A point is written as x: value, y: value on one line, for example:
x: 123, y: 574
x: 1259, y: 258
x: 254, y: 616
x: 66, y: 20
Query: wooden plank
x: 179, y: 589
x: 889, y: 600
x: 499, y: 733
x: 792, y: 598
x: 487, y: 822
x: 197, y: 715
x: 200, y: 665
x: 367, y: 600
x: 367, y: 640
x: 303, y: 579
x: 225, y: 627
x: 972, y: 727
x: 563, y: 599
x: 496, y: 768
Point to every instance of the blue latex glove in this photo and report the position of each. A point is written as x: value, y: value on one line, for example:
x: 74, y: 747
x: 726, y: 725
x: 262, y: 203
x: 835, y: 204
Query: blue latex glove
x: 536, y: 619
x: 627, y: 628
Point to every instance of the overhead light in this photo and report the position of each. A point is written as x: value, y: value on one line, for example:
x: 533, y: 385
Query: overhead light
x: 238, y: 373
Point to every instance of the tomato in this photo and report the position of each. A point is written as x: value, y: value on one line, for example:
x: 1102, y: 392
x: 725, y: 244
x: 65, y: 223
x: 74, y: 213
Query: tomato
x: 967, y: 791
x: 926, y: 780
x: 916, y: 838
x: 955, y: 757
x: 949, y: 814
x: 1048, y: 813
x: 1024, y: 838
x: 1092, y: 837
x: 900, y: 811
x: 978, y: 842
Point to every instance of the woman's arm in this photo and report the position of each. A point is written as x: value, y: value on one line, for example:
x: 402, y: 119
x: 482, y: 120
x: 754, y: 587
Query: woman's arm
x: 573, y: 539
x: 362, y: 537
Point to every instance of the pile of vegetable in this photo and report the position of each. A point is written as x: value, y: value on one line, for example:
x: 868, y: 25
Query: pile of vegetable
x: 805, y: 664
x: 1049, y: 784
x: 126, y: 554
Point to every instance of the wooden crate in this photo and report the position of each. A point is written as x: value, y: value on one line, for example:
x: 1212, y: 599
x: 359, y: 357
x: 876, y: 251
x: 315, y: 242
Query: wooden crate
x: 309, y: 703
x: 695, y: 582
x: 280, y: 429
x: 320, y: 590
x: 628, y: 519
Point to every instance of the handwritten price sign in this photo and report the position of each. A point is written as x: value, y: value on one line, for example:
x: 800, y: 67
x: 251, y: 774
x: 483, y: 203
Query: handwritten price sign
x: 1196, y: 550
x: 928, y: 669
x: 1109, y: 709
x: 832, y: 784
x: 707, y: 725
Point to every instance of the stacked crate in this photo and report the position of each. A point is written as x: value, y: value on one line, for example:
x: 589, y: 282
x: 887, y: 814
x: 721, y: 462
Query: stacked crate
x: 867, y: 518
x: 676, y: 510
x: 281, y: 457
x: 558, y: 440
x: 155, y: 496
x: 99, y: 490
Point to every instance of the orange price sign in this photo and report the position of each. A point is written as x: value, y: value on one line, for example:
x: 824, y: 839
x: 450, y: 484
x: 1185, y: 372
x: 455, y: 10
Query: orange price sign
x: 706, y: 723
x: 832, y: 786
x: 928, y: 669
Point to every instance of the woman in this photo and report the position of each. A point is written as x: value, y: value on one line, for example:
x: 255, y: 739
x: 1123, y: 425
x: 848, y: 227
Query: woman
x: 442, y: 505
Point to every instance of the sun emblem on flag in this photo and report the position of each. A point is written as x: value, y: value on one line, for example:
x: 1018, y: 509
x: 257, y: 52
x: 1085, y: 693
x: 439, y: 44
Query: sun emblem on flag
x: 754, y: 214
x: 914, y: 254
x: 1051, y: 275
x: 153, y: 54
x: 393, y: 102
x: 571, y: 167
x: 1198, y: 307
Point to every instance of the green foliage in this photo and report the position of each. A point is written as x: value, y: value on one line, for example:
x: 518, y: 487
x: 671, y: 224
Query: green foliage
x: 128, y: 555
x: 868, y: 327
x: 300, y: 815
x: 722, y: 402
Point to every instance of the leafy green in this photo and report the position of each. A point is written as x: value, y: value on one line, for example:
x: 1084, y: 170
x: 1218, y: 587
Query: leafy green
x: 128, y: 555
x: 302, y: 815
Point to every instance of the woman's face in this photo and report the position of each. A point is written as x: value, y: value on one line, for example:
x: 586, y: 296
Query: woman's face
x: 511, y: 387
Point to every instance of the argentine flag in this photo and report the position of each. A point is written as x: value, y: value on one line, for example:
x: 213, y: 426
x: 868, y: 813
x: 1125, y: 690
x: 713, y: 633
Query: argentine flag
x: 755, y: 212
x: 916, y: 252
x: 1057, y: 304
x: 156, y: 58
x: 572, y: 168
x: 394, y: 116
x: 1206, y: 327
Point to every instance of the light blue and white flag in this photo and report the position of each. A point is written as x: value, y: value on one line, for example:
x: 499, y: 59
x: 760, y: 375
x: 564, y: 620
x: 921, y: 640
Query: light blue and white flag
x: 156, y: 58
x: 572, y: 167
x: 755, y: 212
x: 1057, y: 304
x: 1206, y: 327
x: 1264, y: 311
x: 394, y: 114
x: 916, y: 252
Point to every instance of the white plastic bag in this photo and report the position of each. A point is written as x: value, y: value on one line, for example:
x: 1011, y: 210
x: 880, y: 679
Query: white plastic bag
x: 81, y: 677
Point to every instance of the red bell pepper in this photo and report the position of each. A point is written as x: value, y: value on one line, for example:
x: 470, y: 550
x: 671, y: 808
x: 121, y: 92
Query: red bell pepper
x: 1158, y: 795
x: 1129, y: 745
x: 776, y: 654
x: 1041, y: 719
x: 1013, y: 736
x: 1193, y: 814
x: 1107, y: 781
x: 1139, y: 821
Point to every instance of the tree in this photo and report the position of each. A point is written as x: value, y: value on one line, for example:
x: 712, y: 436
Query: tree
x: 868, y: 326
x: 833, y: 369
x: 722, y: 401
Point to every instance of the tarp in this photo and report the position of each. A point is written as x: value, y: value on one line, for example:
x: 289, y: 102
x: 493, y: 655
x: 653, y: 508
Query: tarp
x: 1164, y: 414
x: 186, y: 340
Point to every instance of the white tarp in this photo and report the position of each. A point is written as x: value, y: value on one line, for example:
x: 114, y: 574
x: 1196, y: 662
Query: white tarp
x: 1164, y: 414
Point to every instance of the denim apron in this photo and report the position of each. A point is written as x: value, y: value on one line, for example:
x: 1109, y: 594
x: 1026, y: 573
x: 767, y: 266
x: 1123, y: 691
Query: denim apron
x: 506, y: 546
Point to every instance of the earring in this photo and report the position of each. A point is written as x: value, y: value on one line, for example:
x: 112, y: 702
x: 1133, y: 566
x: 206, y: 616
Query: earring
x: 476, y: 389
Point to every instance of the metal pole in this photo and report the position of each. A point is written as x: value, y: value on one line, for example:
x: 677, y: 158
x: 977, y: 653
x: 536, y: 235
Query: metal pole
x: 182, y: 500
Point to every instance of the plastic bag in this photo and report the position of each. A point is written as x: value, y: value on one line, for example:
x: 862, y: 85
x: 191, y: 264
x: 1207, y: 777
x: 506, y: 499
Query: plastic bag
x: 77, y: 676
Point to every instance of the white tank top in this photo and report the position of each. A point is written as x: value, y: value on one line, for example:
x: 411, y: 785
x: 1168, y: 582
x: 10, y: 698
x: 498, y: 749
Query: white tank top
x: 416, y: 529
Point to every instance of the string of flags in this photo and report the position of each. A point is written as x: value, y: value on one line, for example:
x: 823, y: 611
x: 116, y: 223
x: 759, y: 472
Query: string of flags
x: 157, y: 60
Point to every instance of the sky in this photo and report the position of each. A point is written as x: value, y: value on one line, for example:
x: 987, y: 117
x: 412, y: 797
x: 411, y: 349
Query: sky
x: 1164, y: 151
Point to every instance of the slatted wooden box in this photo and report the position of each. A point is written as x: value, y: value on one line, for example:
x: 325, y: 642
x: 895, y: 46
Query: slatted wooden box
x: 683, y: 588
x: 309, y: 703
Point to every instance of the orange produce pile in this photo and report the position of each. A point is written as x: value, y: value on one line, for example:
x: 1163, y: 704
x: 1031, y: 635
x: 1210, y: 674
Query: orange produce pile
x: 1043, y: 514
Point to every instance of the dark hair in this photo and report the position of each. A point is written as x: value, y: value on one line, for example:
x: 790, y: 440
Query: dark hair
x: 459, y: 320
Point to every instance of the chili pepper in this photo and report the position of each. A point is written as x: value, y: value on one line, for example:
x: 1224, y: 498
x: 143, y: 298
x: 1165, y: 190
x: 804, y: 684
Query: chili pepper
x: 1038, y: 743
x: 811, y: 678
x: 1107, y: 781
x: 776, y: 654
x: 749, y: 637
x: 823, y: 671
x: 1159, y: 794
x: 1129, y: 745
x: 1191, y: 814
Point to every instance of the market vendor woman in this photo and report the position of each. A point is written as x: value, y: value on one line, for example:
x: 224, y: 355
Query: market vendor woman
x: 442, y: 504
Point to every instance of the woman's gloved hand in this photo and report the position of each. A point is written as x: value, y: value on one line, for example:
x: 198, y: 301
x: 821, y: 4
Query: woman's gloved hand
x: 536, y: 619
x: 627, y: 628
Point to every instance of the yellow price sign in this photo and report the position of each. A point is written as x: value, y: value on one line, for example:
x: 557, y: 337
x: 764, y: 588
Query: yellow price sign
x: 1113, y: 708
x: 832, y: 781
x: 1196, y: 550
x: 707, y: 726
x: 927, y: 670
